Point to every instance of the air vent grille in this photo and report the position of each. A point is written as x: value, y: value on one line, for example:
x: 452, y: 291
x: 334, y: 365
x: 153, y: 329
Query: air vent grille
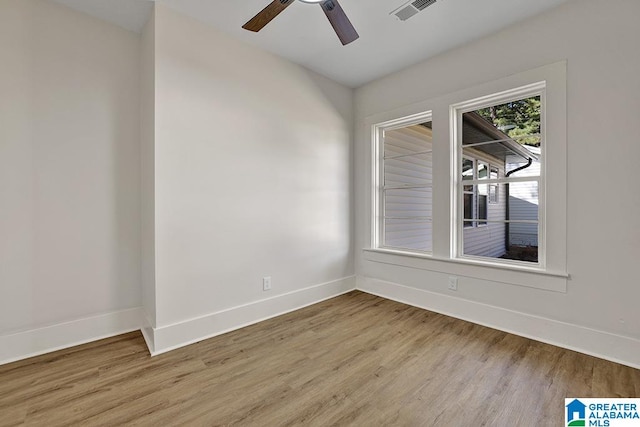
x: 411, y: 8
x: 422, y: 4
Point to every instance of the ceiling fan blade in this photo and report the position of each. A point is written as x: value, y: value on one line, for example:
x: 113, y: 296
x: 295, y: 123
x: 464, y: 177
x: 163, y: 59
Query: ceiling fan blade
x: 339, y: 21
x: 267, y: 14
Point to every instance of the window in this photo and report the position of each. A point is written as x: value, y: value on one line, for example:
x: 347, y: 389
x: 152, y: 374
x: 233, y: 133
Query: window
x: 493, y: 188
x: 505, y: 131
x: 405, y: 190
x: 471, y: 198
x: 499, y: 147
x: 475, y: 196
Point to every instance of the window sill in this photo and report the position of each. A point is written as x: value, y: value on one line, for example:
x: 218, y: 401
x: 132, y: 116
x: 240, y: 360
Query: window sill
x: 515, y: 275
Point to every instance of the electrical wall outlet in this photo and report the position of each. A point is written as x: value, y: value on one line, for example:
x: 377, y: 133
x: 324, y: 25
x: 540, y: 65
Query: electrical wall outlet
x: 453, y: 283
x: 266, y: 283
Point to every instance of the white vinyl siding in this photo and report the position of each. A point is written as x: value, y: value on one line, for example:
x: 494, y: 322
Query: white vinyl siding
x: 407, y: 190
x: 523, y: 205
x: 488, y: 240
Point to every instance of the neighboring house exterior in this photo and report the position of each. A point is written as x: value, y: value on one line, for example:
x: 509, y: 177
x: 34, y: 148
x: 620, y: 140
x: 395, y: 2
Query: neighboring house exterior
x: 523, y: 203
x: 408, y: 210
x: 408, y: 189
x: 485, y: 238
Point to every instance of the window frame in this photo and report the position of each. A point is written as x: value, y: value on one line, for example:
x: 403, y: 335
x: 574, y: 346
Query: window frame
x: 456, y: 112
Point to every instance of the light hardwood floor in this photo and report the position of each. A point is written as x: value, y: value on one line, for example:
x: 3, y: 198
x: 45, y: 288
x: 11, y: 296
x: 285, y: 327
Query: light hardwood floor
x: 353, y: 360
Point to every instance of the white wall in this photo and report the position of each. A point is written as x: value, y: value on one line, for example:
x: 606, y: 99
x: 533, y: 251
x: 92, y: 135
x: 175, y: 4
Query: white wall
x: 252, y: 173
x: 599, y: 41
x: 69, y: 167
x: 147, y: 168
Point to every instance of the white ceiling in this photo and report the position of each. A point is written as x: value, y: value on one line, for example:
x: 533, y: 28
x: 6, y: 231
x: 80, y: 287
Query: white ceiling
x: 303, y: 35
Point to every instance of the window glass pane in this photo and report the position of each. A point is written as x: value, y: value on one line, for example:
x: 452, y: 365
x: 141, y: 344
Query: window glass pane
x: 523, y: 200
x: 501, y: 141
x: 508, y: 133
x: 482, y: 208
x: 509, y: 158
x: 511, y: 229
x: 523, y: 236
x: 408, y: 203
x: 494, y: 172
x: 493, y: 194
x: 519, y: 119
x: 485, y: 241
x: 517, y: 166
x: 406, y: 188
x: 408, y: 234
x: 468, y: 209
x: 467, y: 169
x: 407, y: 140
x: 410, y: 170
x: 483, y: 170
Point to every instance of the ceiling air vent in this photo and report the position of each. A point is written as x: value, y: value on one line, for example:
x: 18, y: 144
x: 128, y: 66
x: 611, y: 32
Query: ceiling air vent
x: 411, y: 8
x: 422, y: 4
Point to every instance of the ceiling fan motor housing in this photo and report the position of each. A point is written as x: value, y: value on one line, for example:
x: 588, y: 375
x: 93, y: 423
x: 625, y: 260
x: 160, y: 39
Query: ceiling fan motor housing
x: 328, y: 5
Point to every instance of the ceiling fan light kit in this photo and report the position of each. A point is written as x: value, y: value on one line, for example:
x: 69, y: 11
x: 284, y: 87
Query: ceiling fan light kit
x: 332, y: 9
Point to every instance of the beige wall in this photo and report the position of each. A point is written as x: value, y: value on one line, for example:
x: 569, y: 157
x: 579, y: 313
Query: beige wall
x: 147, y: 167
x: 69, y: 166
x: 252, y: 173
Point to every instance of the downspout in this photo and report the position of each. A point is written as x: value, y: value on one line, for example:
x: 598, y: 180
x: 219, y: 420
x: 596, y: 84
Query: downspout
x: 507, y: 216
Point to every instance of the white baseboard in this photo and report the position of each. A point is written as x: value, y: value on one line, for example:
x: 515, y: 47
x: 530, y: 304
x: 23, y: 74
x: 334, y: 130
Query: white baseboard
x: 604, y: 345
x: 147, y: 334
x: 167, y: 338
x: 34, y: 342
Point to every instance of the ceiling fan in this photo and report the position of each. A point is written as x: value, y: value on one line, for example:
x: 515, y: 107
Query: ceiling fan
x: 338, y: 19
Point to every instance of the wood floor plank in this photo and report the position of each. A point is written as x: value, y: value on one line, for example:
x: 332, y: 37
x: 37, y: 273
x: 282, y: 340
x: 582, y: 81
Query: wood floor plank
x: 611, y: 376
x: 13, y: 416
x: 353, y: 360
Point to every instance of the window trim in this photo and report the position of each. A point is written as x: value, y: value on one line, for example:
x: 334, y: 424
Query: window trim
x: 477, y: 269
x: 456, y: 112
x: 555, y: 76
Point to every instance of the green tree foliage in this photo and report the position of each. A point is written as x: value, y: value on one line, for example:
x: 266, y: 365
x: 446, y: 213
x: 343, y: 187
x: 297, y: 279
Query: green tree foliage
x: 517, y: 119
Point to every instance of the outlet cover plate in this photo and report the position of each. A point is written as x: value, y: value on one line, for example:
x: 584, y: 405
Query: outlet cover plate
x: 266, y: 283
